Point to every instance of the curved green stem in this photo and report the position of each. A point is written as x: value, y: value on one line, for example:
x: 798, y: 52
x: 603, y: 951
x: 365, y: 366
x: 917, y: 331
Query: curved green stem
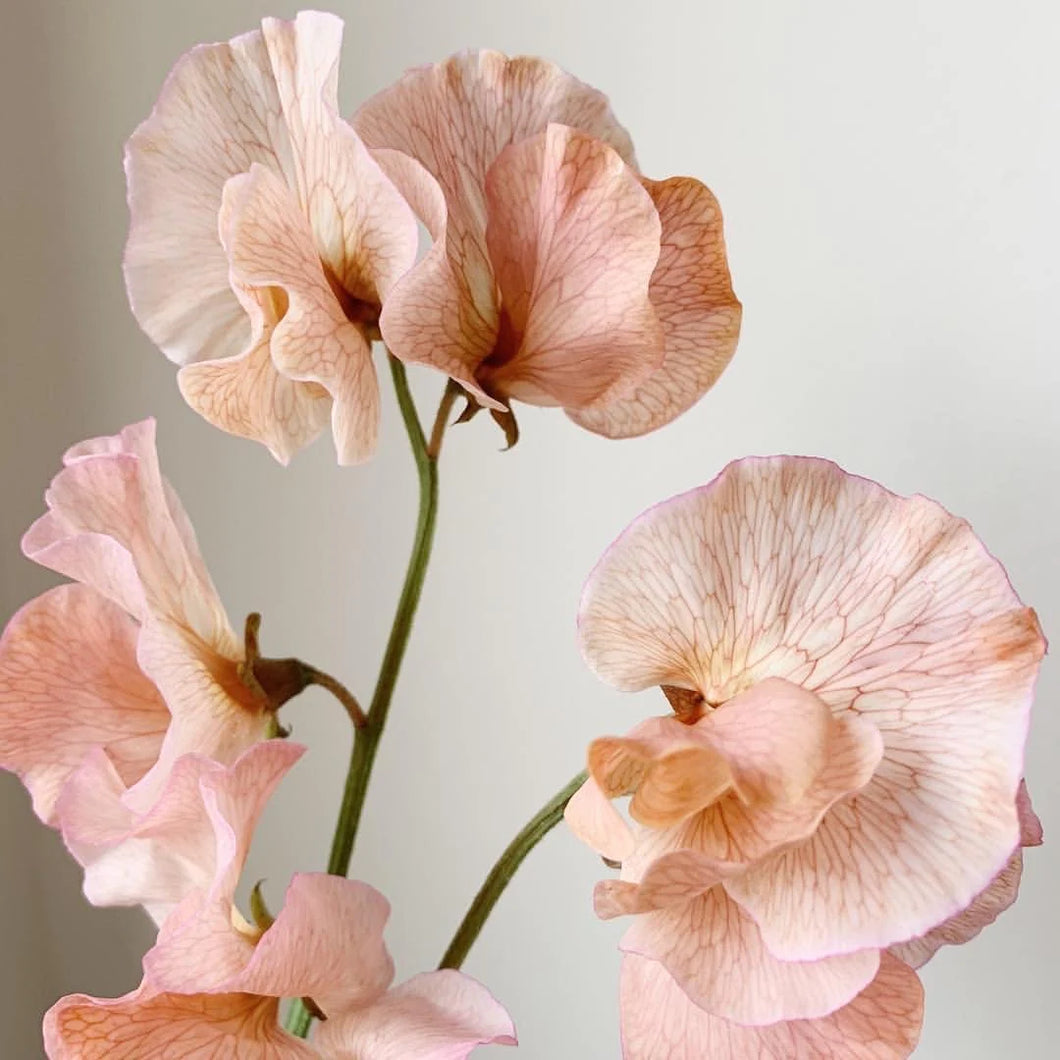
x: 505, y: 868
x: 367, y: 737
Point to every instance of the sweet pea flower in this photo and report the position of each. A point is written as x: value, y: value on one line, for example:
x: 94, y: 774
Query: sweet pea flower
x: 838, y: 789
x: 213, y: 981
x: 106, y: 683
x: 263, y: 239
x: 558, y: 275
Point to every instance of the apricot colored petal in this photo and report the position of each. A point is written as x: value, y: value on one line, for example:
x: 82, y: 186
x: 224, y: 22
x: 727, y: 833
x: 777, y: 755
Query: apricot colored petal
x: 154, y: 859
x: 659, y: 1022
x: 734, y: 831
x: 434, y: 1016
x: 247, y: 397
x: 146, y: 1024
x: 939, y: 818
x: 430, y: 316
x: 988, y: 905
x: 94, y: 559
x: 198, y: 950
x: 671, y: 879
x: 326, y: 943
x: 112, y: 488
x: 573, y: 238
x: 69, y: 682
x: 715, y: 953
x: 592, y: 817
x: 620, y: 763
x: 219, y: 113
x: 270, y: 244
x: 213, y: 712
x: 362, y: 228
x: 984, y: 909
x: 691, y: 292
x: 455, y: 118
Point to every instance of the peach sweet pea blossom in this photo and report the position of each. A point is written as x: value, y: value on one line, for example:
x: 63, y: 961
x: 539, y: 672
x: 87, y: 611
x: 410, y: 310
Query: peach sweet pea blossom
x: 106, y: 683
x: 264, y: 238
x: 838, y: 790
x: 558, y: 275
x: 213, y: 981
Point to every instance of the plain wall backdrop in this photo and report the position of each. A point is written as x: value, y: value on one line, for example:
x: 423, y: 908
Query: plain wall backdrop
x: 889, y: 176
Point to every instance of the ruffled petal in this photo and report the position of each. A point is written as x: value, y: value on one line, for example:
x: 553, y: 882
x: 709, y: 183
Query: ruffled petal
x: 715, y: 953
x: 326, y: 943
x: 660, y: 1023
x: 434, y: 1016
x: 190, y: 847
x: 213, y: 712
x: 938, y: 820
x: 362, y: 228
x: 573, y: 239
x: 247, y: 397
x: 154, y: 859
x: 592, y: 817
x: 455, y: 118
x: 986, y: 906
x: 270, y: 245
x: 219, y: 113
x: 691, y: 292
x: 112, y: 488
x: 147, y: 1024
x: 69, y: 682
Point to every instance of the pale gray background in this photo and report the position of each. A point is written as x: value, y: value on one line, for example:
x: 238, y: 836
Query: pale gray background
x: 889, y: 178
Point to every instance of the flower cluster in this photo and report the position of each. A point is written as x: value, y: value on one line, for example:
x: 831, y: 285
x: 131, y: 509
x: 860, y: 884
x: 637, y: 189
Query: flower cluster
x: 837, y: 789
x: 557, y: 275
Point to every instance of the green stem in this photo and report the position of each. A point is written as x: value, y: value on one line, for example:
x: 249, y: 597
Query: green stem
x: 500, y: 875
x: 366, y: 738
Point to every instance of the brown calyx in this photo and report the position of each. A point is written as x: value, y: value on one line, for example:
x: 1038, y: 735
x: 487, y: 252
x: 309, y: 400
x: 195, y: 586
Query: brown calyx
x: 687, y: 704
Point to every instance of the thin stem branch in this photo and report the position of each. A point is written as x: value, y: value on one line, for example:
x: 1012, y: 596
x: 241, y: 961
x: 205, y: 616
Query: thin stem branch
x: 505, y: 868
x: 366, y: 739
x: 441, y: 420
x: 314, y: 676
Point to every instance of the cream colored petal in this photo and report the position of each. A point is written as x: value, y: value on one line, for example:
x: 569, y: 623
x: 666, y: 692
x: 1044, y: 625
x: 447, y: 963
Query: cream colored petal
x: 660, y: 1023
x: 270, y: 245
x: 363, y: 229
x: 218, y: 113
x: 455, y: 118
x: 692, y: 294
x: 144, y: 1024
x: 715, y: 953
x: 69, y: 682
x: 573, y: 239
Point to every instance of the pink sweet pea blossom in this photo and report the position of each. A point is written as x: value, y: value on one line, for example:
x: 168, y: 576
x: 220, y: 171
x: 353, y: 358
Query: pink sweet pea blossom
x: 558, y: 275
x: 838, y: 790
x: 264, y: 238
x: 213, y: 981
x: 106, y: 683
